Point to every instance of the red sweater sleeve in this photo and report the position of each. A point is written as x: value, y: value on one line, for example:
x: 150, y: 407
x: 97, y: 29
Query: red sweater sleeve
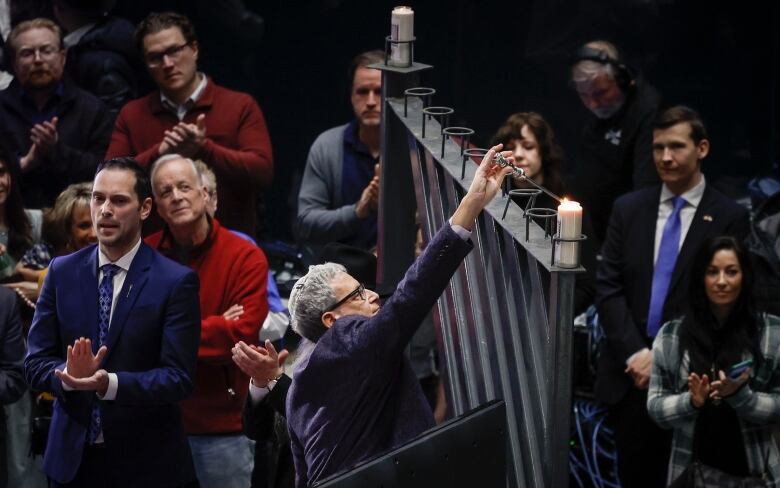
x: 247, y: 287
x: 121, y: 144
x: 252, y: 163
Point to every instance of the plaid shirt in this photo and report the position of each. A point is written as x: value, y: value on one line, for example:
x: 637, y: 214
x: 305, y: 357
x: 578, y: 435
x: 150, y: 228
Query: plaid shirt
x: 757, y: 404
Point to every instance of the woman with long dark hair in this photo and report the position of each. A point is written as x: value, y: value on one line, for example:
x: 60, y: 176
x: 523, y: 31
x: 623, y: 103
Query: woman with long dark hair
x: 716, y: 373
x: 19, y: 229
x: 532, y: 140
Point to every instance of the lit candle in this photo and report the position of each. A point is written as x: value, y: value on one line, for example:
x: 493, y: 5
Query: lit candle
x: 401, y: 29
x: 569, y: 227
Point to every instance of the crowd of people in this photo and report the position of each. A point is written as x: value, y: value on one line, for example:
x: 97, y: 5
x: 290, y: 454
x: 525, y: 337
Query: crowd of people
x: 142, y: 301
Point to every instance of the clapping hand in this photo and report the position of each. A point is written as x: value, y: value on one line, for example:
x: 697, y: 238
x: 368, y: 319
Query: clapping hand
x: 185, y: 139
x: 699, y: 388
x: 262, y: 364
x: 726, y: 386
x: 82, y: 367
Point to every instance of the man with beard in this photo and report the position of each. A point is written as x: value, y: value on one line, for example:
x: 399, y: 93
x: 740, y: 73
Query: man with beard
x: 340, y: 188
x: 615, y: 151
x: 58, y: 131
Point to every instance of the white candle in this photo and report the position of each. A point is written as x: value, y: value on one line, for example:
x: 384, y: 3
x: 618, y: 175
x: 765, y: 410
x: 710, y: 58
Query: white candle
x: 401, y: 29
x: 569, y: 226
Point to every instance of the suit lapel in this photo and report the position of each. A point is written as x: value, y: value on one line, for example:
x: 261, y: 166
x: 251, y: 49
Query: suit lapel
x: 698, y: 232
x: 647, y: 217
x: 135, y: 281
x: 88, y: 281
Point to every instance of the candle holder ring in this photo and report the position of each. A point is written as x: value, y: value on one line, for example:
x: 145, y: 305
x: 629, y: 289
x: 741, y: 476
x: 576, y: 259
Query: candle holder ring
x: 556, y: 239
x: 463, y: 132
x: 422, y: 92
x: 530, y: 193
x: 547, y: 214
x: 474, y: 152
x: 443, y: 112
x: 389, y: 42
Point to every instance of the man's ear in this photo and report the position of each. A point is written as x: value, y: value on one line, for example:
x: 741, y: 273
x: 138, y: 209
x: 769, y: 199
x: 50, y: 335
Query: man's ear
x: 328, y: 318
x: 146, y: 208
x: 703, y: 148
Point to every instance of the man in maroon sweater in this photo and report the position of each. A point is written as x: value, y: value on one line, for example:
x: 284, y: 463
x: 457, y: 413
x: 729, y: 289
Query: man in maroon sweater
x: 233, y: 305
x: 193, y: 116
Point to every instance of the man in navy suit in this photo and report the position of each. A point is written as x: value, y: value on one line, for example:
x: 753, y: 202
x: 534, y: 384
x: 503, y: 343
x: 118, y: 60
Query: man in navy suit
x: 642, y: 281
x: 115, y: 338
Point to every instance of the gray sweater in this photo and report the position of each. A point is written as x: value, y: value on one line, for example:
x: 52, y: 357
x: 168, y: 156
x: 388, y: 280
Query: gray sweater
x: 322, y: 216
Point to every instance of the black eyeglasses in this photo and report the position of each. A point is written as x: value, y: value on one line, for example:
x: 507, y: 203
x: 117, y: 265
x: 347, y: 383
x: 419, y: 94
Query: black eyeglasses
x: 360, y: 290
x: 155, y: 60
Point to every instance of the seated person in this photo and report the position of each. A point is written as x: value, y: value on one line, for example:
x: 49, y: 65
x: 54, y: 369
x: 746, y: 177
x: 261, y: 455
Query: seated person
x: 19, y: 228
x: 67, y: 227
x: 532, y: 141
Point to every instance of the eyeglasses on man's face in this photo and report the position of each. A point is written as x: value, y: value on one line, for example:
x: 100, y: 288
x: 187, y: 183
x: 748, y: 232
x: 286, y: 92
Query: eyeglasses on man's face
x: 359, y: 291
x: 46, y: 51
x: 155, y: 60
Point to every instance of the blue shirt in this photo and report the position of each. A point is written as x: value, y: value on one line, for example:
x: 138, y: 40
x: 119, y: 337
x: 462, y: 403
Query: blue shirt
x: 357, y: 172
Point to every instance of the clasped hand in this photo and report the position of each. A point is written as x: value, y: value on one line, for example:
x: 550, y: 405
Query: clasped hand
x: 81, y: 368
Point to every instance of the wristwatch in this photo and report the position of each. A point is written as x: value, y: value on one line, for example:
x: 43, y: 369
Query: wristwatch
x: 272, y: 383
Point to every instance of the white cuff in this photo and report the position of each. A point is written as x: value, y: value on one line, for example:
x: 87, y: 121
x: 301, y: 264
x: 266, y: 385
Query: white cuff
x: 65, y: 385
x: 257, y: 393
x: 462, y: 232
x: 113, y: 385
x: 631, y: 357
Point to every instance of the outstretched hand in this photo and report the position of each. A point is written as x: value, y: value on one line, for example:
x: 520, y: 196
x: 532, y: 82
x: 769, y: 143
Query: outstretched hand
x: 487, y: 182
x: 80, y: 362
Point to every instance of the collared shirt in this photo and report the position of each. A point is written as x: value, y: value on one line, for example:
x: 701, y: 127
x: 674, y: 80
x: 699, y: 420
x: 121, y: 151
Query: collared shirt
x: 74, y: 37
x: 119, y: 279
x: 38, y: 116
x: 357, y: 171
x: 692, y: 199
x: 181, y: 110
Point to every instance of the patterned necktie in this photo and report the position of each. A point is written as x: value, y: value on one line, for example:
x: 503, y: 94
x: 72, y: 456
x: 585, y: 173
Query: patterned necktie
x: 105, y: 296
x: 664, y: 267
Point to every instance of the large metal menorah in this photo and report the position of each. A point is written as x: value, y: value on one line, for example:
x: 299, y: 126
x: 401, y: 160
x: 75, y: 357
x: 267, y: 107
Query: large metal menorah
x: 504, y: 325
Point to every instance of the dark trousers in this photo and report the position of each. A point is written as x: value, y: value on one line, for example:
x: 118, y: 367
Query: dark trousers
x: 643, y: 448
x: 94, y: 471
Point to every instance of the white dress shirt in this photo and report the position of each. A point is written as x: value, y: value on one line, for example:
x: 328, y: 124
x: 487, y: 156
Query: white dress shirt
x: 119, y: 280
x: 692, y: 199
x: 181, y: 110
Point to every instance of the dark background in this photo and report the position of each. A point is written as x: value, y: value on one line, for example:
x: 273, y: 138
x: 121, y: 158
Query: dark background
x: 495, y: 58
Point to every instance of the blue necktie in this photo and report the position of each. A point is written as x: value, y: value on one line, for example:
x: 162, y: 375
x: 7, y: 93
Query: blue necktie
x: 106, y: 296
x: 664, y: 267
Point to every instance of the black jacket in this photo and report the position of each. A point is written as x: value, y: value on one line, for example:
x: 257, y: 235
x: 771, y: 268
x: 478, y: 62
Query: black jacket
x: 615, y: 155
x: 625, y: 275
x: 106, y: 63
x: 763, y: 243
x: 84, y: 130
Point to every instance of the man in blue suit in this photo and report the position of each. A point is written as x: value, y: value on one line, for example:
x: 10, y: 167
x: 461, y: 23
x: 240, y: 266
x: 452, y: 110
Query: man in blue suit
x: 115, y: 338
x: 642, y: 282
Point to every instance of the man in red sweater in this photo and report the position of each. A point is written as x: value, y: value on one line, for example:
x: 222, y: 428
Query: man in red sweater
x: 233, y: 304
x: 193, y: 116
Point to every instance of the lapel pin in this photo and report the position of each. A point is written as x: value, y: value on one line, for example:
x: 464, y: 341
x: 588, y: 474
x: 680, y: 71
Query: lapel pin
x: 707, y: 218
x: 130, y: 288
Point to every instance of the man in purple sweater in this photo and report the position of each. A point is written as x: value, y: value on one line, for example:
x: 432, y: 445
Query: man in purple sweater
x: 355, y: 395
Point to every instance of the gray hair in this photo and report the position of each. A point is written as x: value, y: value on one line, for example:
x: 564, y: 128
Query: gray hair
x: 309, y: 298
x: 163, y: 160
x: 588, y: 70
